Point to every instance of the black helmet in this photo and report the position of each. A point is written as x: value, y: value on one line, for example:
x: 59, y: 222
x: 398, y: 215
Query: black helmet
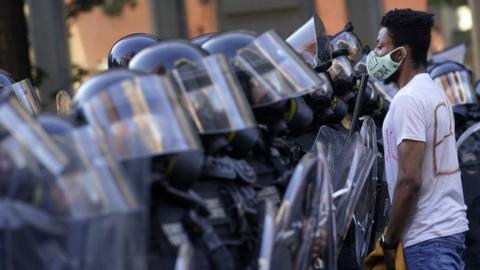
x: 228, y: 43
x: 456, y: 80
x: 165, y: 56
x: 100, y: 81
x: 6, y: 79
x: 200, y: 39
x: 127, y: 47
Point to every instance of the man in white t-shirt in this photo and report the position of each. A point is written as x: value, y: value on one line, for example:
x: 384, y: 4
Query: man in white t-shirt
x: 421, y: 164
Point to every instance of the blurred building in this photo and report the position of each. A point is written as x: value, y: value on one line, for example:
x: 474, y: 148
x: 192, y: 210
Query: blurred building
x: 93, y: 33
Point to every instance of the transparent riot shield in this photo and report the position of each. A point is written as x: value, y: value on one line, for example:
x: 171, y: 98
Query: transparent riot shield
x: 63, y: 217
x: 305, y: 222
x: 276, y: 72
x: 349, y: 163
x: 26, y: 95
x: 364, y: 211
x: 311, y: 42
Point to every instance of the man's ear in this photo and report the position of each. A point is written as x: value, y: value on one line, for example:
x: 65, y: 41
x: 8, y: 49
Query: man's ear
x: 400, y: 54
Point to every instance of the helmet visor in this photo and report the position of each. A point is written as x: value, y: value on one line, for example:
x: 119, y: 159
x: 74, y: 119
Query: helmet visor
x: 347, y: 41
x: 311, y: 42
x: 142, y: 118
x: 99, y: 177
x: 341, y: 69
x: 26, y: 95
x: 213, y: 96
x: 17, y: 123
x: 458, y: 87
x: 276, y: 71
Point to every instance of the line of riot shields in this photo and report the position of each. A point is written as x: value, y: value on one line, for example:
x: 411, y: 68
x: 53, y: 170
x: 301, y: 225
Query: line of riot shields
x: 233, y: 150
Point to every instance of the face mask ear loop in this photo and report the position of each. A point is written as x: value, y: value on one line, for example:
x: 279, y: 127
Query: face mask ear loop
x: 404, y: 55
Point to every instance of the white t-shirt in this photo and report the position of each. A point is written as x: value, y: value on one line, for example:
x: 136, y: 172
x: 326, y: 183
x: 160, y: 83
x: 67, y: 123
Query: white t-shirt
x: 420, y: 111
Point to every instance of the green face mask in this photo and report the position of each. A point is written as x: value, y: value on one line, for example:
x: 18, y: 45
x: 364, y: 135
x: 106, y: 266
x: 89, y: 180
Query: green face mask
x: 382, y: 67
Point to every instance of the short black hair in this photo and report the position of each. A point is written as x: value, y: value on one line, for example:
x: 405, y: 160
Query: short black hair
x: 412, y: 28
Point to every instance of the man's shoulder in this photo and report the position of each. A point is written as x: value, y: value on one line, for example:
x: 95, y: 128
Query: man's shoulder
x: 422, y: 91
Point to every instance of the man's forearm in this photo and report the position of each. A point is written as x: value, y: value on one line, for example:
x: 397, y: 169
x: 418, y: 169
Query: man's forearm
x: 405, y: 200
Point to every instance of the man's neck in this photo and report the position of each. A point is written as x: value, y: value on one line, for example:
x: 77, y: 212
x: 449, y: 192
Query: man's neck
x: 407, y: 75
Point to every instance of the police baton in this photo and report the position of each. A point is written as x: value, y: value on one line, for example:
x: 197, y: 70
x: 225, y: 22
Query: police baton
x: 354, y: 126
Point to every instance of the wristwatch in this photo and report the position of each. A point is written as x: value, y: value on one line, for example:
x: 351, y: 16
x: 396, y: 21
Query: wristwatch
x: 386, y: 245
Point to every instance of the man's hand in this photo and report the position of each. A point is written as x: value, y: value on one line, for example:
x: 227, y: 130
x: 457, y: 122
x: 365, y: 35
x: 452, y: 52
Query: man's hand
x: 389, y: 255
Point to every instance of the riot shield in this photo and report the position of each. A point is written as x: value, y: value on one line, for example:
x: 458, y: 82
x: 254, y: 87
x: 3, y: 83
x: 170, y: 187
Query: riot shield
x: 26, y: 95
x: 311, y: 42
x: 63, y: 216
x: 364, y: 212
x: 349, y: 162
x: 305, y: 220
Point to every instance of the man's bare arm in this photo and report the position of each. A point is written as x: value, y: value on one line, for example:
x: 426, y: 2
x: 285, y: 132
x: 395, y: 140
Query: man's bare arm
x: 407, y: 189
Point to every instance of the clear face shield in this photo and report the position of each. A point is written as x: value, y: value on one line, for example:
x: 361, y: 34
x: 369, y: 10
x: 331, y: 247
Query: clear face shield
x: 311, y: 42
x: 26, y: 95
x: 341, y: 70
x: 348, y: 42
x: 213, y: 96
x: 17, y: 123
x: 458, y: 87
x: 276, y: 72
x: 142, y: 118
x: 360, y: 66
x: 72, y: 209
